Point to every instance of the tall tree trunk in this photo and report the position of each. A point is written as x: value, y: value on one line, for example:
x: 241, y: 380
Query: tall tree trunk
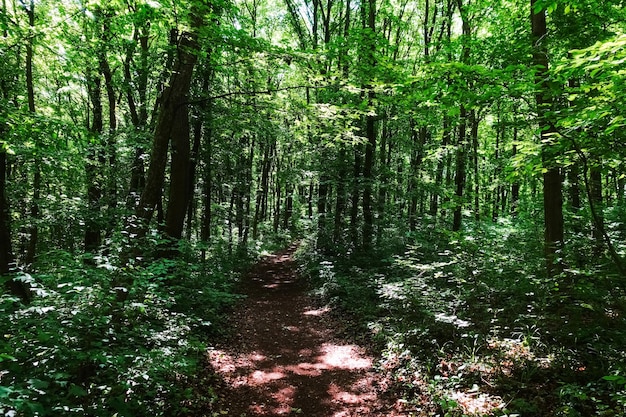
x: 248, y: 194
x: 111, y: 146
x: 322, y: 202
x: 288, y: 213
x: 356, y: 192
x: 384, y: 161
x: 34, y: 209
x: 171, y: 103
x: 340, y: 201
x: 260, y: 209
x: 459, y: 178
x: 207, y: 182
x: 474, y: 135
x: 460, y: 172
x: 573, y: 178
x: 194, y: 157
x: 498, y: 168
x: 94, y: 167
x: 370, y: 134
x: 6, y: 252
x: 552, y: 183
x: 446, y: 138
x: 179, y: 195
x: 595, y: 182
x: 412, y: 183
x: 515, y: 187
x: 138, y: 110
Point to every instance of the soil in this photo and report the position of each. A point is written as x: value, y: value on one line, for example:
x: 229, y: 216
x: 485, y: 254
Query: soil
x: 287, y: 357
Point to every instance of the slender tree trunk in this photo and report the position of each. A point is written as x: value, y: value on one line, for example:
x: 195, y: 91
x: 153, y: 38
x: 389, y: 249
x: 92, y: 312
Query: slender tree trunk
x: 498, y: 169
x: 138, y: 111
x: 460, y: 172
x: 207, y: 183
x: 248, y: 194
x: 198, y: 126
x: 260, y: 210
x: 595, y: 182
x: 288, y: 213
x: 322, y: 202
x: 356, y: 192
x: 278, y: 187
x: 34, y: 209
x: 573, y: 177
x: 552, y: 183
x: 446, y: 138
x: 94, y: 167
x: 111, y: 146
x: 383, y: 160
x: 370, y: 134
x: 7, y: 261
x: 459, y: 179
x: 340, y: 201
x: 515, y: 187
x: 310, y: 199
x: 474, y: 134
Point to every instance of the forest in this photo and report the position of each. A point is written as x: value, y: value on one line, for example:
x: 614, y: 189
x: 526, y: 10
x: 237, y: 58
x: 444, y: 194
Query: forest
x: 451, y: 171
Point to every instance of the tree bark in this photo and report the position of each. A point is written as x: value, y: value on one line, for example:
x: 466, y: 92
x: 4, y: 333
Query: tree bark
x: 34, y: 209
x: 515, y: 187
x: 356, y: 192
x: 552, y: 183
x: 459, y: 178
x: 7, y: 261
x: 340, y: 201
x: 94, y: 167
x: 179, y: 193
x: 474, y: 135
x: 595, y: 182
x: 171, y: 103
x: 370, y: 134
x: 441, y: 164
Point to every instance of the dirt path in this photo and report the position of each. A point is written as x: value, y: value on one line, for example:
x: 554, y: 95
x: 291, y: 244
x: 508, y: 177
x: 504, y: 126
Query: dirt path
x: 286, y: 357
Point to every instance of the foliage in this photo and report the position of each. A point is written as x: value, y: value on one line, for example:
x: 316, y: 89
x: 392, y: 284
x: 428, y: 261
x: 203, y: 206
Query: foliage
x: 74, y: 350
x: 366, y: 129
x: 479, y: 339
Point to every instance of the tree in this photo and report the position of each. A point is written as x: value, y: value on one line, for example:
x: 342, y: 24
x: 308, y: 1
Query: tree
x: 552, y: 183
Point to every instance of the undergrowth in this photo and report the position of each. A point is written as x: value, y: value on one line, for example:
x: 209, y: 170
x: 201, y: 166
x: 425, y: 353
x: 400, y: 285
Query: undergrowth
x: 76, y: 350
x: 468, y: 324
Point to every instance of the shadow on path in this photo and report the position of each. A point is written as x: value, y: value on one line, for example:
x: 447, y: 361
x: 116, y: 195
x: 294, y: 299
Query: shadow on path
x: 285, y: 357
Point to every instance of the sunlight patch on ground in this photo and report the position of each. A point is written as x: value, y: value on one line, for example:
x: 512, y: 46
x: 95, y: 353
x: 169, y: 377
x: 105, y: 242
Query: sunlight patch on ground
x: 225, y: 363
x: 265, y: 377
x: 476, y: 403
x: 316, y: 312
x: 306, y: 369
x: 343, y: 357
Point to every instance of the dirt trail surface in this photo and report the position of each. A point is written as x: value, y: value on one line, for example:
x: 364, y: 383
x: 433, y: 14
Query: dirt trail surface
x: 286, y: 357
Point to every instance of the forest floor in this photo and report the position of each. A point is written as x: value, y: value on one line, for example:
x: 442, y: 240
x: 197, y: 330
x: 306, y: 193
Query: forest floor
x: 287, y: 355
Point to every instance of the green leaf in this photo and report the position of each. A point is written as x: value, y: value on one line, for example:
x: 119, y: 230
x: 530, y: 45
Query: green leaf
x: 77, y: 391
x: 6, y: 357
x: 620, y: 379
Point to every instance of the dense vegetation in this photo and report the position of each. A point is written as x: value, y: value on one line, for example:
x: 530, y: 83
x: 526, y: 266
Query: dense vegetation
x: 454, y: 169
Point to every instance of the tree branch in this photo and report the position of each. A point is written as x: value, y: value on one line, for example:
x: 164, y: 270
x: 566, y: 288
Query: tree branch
x: 251, y: 93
